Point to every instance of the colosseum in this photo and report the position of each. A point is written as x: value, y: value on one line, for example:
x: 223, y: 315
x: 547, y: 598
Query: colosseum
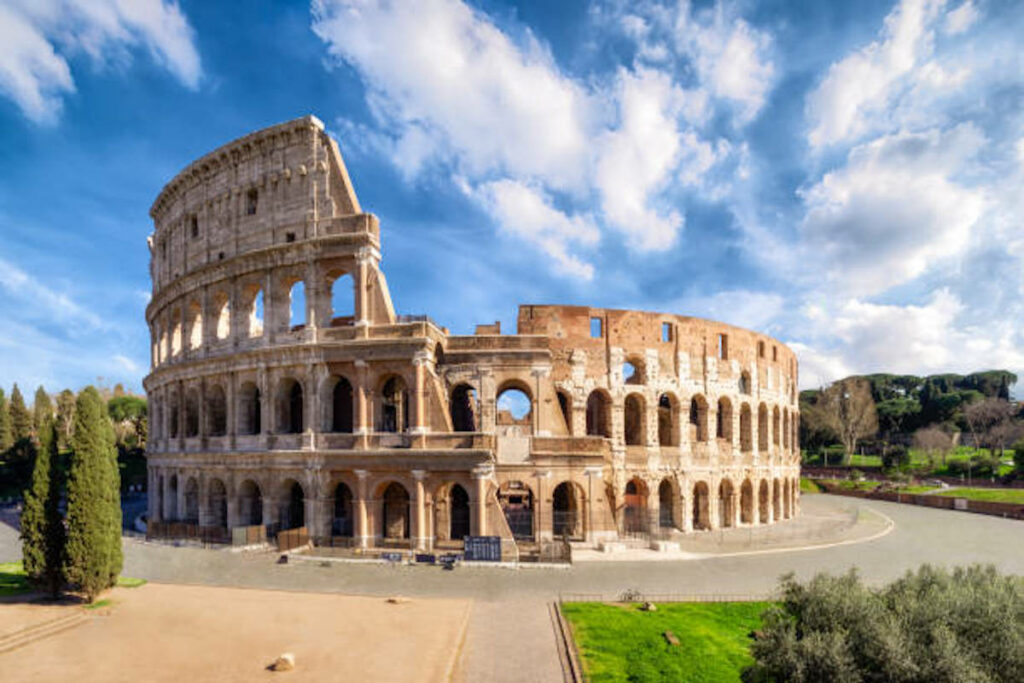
x: 287, y: 393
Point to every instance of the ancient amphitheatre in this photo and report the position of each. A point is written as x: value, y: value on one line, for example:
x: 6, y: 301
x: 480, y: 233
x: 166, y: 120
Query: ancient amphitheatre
x: 286, y: 391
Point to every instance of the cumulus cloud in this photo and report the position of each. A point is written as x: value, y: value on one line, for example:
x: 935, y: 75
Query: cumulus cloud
x: 961, y: 19
x: 893, y: 209
x: 37, y: 37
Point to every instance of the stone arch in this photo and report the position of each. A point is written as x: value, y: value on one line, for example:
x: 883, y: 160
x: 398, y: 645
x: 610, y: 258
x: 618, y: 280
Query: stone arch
x: 216, y: 410
x: 565, y: 407
x: 191, y: 515
x: 173, y: 414
x: 668, y: 420
x: 599, y: 409
x: 253, y: 305
x: 394, y: 405
x: 250, y: 409
x: 746, y: 429
x: 514, y: 404
x: 342, y: 299
x: 723, y: 419
x: 172, y: 498
x: 775, y: 426
x: 339, y: 404
x: 194, y: 315
x: 567, y: 510
x: 762, y: 428
x: 744, y: 383
x: 343, y: 521
x: 250, y: 503
x: 176, y: 332
x: 787, y: 497
x: 785, y: 429
x: 698, y: 419
x: 458, y: 512
x: 464, y: 408
x: 191, y: 412
x: 217, y: 503
x: 634, y: 508
x: 726, y: 504
x: 635, y: 420
x: 222, y: 311
x: 763, y: 503
x: 292, y: 507
x: 701, y: 506
x: 517, y: 501
x: 747, y: 502
x: 633, y: 370
x: 297, y: 317
x: 776, y: 499
x: 667, y: 504
x: 394, y: 510
x: 290, y: 406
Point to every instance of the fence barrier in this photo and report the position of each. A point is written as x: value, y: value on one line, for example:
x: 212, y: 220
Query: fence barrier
x: 289, y: 539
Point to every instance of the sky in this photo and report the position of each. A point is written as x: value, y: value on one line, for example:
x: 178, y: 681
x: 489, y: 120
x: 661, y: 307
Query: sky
x: 847, y: 177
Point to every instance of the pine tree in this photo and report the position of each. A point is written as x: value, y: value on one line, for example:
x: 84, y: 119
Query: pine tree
x: 94, y: 556
x: 6, y: 440
x: 21, y: 419
x: 42, y: 410
x: 42, y: 527
x: 65, y: 415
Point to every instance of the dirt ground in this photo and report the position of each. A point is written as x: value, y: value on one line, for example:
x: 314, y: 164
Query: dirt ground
x: 161, y: 632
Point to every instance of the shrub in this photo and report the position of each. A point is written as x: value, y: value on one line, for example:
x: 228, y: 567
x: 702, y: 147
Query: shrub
x: 932, y: 625
x: 895, y: 457
x: 1018, y: 457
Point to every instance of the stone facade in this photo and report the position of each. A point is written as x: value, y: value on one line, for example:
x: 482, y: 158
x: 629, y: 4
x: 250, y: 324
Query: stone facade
x: 285, y: 391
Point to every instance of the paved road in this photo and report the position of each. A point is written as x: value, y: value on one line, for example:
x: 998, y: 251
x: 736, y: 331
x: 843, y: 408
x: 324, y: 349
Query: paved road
x: 510, y: 622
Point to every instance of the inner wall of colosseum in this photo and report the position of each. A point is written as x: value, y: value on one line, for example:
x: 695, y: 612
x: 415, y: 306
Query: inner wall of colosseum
x: 285, y: 391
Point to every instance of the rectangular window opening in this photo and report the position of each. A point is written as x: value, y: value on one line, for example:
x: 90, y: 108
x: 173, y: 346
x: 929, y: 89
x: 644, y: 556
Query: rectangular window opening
x: 666, y: 332
x: 760, y: 349
x: 194, y: 220
x: 596, y: 331
x: 775, y: 353
x: 250, y: 202
x: 723, y: 346
x: 289, y: 237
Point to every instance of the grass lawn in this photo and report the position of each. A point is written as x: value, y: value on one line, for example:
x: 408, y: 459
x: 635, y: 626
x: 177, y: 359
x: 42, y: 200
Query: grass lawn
x: 923, y: 488
x: 13, y: 580
x: 808, y: 486
x: 990, y: 495
x: 622, y: 643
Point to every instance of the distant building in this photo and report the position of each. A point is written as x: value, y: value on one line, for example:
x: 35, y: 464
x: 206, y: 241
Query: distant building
x: 286, y: 392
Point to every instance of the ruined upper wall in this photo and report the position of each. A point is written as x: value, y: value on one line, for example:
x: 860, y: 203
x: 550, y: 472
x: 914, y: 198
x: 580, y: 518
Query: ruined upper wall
x: 282, y: 184
x: 660, y: 344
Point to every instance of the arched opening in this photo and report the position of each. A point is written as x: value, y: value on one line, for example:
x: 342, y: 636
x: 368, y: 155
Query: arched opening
x: 701, y: 507
x: 785, y: 429
x: 666, y: 505
x: 176, y: 332
x: 191, y: 501
x: 634, y: 419
x: 746, y: 429
x: 341, y: 406
x: 634, y: 518
x: 698, y: 419
x: 342, y: 524
x: 195, y: 325
x: 458, y: 513
x: 723, y: 420
x: 775, y: 426
x: 254, y: 311
x: 762, y: 502
x: 463, y: 407
x: 632, y: 371
x: 565, y: 406
x: 297, y: 305
x: 216, y: 411
x: 599, y: 414
x: 514, y: 407
x: 395, y: 512
x: 222, y: 308
x: 726, y: 504
x: 250, y: 504
x: 762, y: 428
x: 290, y: 407
x: 394, y: 401
x: 191, y: 413
x: 747, y: 502
x: 249, y: 409
x: 786, y: 498
x: 217, y: 500
x: 565, y: 511
x: 667, y: 432
x: 745, y: 382
x: 173, y: 416
x: 516, y: 501
x: 158, y: 504
x: 172, y: 498
x: 293, y: 511
x: 777, y: 500
x: 343, y: 300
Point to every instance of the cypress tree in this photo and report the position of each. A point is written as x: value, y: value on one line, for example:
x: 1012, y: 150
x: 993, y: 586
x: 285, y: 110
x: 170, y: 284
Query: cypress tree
x: 42, y: 411
x: 65, y: 413
x: 42, y: 527
x: 21, y: 419
x: 6, y: 440
x: 94, y: 556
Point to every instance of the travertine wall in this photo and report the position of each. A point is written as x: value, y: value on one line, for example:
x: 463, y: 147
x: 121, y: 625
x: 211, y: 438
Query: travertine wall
x: 357, y: 422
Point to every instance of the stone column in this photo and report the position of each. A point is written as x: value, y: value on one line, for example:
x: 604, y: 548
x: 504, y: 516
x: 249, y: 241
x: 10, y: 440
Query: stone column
x: 364, y: 262
x: 479, y: 525
x: 540, y: 502
x: 420, y: 541
x: 362, y: 421
x: 419, y: 413
x: 362, y: 526
x: 591, y: 474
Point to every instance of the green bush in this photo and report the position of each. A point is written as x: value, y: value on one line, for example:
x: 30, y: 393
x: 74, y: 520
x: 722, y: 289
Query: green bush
x: 932, y: 625
x: 895, y: 458
x: 1018, y: 457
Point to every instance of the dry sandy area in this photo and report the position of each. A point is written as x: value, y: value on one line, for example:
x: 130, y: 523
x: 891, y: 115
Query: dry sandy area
x: 161, y: 632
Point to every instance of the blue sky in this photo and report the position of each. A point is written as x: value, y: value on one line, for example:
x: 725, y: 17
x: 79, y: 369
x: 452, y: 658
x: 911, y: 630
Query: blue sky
x: 844, y: 176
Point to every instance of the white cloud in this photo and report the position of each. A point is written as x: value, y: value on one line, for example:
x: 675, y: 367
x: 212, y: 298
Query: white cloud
x: 33, y: 295
x: 859, y: 87
x: 526, y: 213
x: 892, y: 210
x: 37, y: 37
x: 961, y: 19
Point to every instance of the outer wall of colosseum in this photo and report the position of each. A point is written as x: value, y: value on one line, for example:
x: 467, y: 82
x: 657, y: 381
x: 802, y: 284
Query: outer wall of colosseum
x: 286, y: 392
